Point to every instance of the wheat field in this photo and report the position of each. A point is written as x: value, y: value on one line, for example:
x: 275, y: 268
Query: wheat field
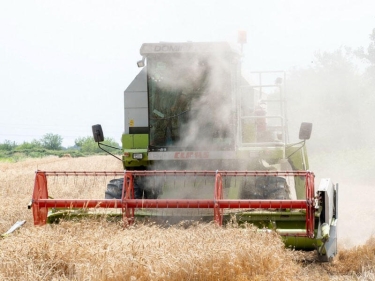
x: 102, y: 250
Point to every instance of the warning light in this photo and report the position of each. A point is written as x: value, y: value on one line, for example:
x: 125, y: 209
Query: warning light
x: 242, y: 37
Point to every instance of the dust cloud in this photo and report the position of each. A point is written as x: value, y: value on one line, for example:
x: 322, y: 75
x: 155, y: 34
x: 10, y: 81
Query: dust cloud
x: 338, y: 100
x: 197, y: 99
x: 332, y: 95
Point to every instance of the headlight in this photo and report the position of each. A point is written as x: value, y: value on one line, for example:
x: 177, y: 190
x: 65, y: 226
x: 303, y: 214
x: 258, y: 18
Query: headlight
x: 137, y: 156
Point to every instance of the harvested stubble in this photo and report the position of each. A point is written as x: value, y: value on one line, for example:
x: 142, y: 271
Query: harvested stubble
x: 98, y: 250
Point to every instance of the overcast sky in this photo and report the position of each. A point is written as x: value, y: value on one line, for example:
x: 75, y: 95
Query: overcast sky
x: 65, y: 64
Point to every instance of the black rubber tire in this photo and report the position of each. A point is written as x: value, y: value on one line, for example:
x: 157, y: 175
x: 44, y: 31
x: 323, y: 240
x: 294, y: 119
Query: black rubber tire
x: 114, y: 189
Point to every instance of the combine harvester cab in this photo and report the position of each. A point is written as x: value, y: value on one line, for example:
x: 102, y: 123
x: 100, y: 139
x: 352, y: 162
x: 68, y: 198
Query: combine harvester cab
x: 203, y: 141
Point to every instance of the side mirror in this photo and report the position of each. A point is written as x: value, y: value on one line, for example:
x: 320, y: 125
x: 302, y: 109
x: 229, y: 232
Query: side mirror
x: 97, y: 132
x: 305, y: 131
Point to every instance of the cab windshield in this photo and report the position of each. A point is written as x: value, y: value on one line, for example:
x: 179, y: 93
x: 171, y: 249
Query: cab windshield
x: 186, y: 94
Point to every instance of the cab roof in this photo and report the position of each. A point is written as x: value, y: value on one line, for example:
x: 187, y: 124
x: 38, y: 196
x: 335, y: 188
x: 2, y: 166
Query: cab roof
x: 187, y: 47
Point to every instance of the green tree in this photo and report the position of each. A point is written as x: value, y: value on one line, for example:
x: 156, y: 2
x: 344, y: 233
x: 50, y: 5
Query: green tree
x: 52, y: 141
x: 368, y: 82
x: 8, y: 145
x: 34, y: 144
x: 368, y: 56
x: 88, y: 145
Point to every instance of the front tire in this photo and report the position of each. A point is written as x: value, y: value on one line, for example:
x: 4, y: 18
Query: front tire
x: 115, y: 186
x: 114, y: 189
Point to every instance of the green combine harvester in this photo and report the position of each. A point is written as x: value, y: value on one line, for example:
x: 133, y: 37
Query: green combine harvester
x: 202, y: 141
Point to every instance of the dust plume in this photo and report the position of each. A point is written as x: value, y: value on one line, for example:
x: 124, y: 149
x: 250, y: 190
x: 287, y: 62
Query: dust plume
x: 196, y: 108
x: 337, y: 98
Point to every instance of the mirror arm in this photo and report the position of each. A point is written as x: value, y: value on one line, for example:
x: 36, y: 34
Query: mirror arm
x: 303, y: 144
x: 108, y: 151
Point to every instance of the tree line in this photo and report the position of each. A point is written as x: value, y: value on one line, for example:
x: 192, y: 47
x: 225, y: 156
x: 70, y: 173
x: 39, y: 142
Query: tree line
x: 51, y: 144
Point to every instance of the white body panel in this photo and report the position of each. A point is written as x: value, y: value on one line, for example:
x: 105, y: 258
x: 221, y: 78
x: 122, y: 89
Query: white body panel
x: 136, y: 102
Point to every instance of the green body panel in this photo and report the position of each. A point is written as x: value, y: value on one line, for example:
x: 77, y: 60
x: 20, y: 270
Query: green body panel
x: 297, y: 155
x: 270, y: 154
x: 134, y: 143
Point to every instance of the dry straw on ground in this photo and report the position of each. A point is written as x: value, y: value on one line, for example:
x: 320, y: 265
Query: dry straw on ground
x: 100, y: 250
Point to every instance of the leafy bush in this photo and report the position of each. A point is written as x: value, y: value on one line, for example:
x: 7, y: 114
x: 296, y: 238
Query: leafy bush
x: 33, y: 145
x: 87, y: 145
x: 52, y: 141
x: 8, y: 145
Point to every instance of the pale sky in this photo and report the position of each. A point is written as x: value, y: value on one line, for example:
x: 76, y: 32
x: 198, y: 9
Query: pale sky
x: 65, y: 64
